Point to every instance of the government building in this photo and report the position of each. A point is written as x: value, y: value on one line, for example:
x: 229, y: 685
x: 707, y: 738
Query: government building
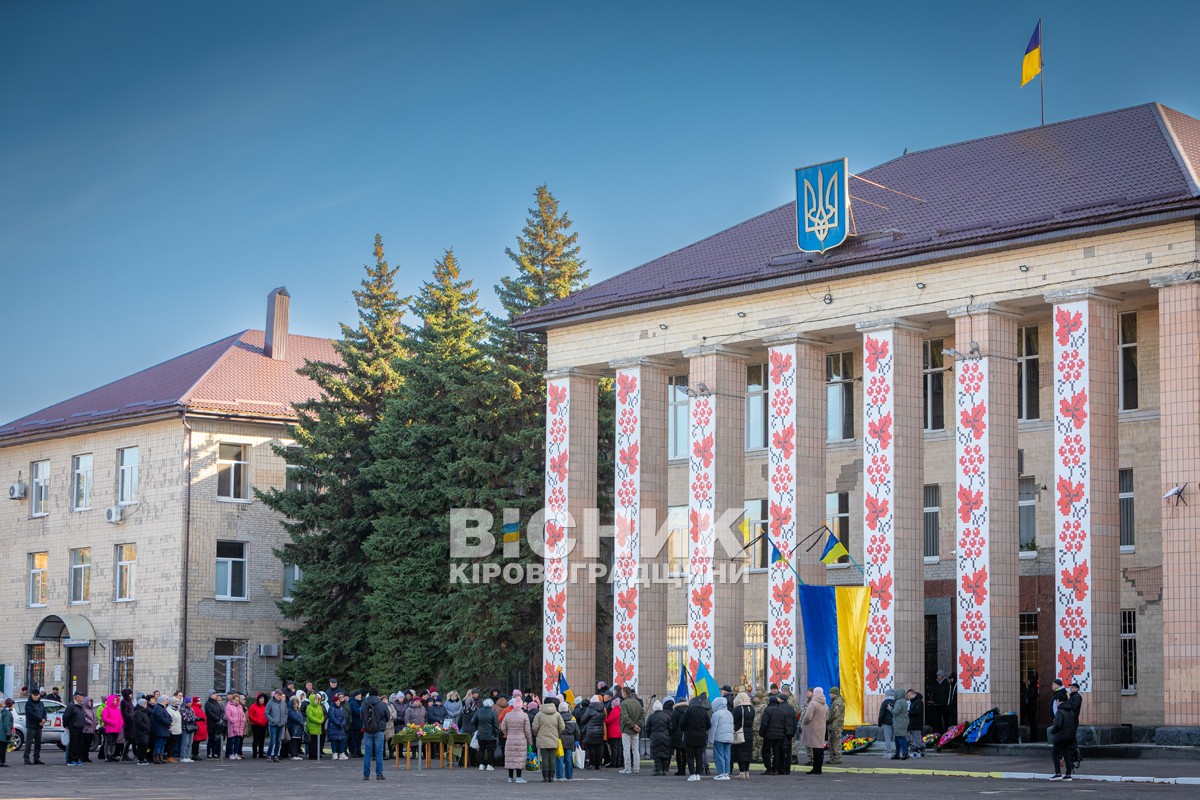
x: 990, y: 392
x: 136, y: 552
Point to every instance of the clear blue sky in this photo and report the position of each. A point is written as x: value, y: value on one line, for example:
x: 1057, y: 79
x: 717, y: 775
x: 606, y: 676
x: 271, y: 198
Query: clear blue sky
x: 163, y: 165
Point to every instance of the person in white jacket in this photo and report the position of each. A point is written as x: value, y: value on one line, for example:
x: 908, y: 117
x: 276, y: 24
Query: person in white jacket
x: 720, y: 737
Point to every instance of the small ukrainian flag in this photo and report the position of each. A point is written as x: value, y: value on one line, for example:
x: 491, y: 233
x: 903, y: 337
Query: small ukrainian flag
x: 1031, y: 65
x: 512, y: 532
x: 834, y: 549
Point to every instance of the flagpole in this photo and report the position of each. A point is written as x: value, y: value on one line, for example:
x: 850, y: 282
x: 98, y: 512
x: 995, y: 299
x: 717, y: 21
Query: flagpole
x: 1042, y: 71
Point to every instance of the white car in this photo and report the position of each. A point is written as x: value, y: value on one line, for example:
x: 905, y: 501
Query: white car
x: 52, y: 732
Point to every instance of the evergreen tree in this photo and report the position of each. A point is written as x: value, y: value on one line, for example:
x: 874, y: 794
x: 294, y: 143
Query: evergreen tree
x: 329, y: 517
x: 547, y: 268
x: 433, y: 452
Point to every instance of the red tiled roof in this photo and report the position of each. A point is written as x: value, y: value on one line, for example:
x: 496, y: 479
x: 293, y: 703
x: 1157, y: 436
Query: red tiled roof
x: 231, y: 376
x: 1133, y: 161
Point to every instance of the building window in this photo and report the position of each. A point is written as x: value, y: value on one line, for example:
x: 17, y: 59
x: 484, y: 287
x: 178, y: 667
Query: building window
x: 933, y: 513
x: 677, y: 653
x: 839, y: 397
x: 754, y: 654
x: 1125, y: 504
x: 678, y: 424
x: 35, y: 666
x: 39, y: 495
x: 81, y: 482
x: 122, y: 667
x: 677, y: 538
x: 127, y: 475
x: 1027, y: 512
x: 126, y: 559
x: 229, y: 665
x: 1028, y: 374
x: 81, y: 575
x: 232, y: 470
x: 837, y: 517
x: 39, y: 578
x: 1127, y: 363
x: 756, y: 407
x: 291, y: 576
x: 1128, y: 651
x: 756, y: 524
x: 231, y: 570
x: 935, y: 377
x: 291, y: 482
x: 1028, y: 655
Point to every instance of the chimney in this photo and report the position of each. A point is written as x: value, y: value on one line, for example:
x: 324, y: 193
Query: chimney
x: 276, y: 335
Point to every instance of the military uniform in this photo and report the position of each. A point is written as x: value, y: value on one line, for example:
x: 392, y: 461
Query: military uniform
x: 835, y: 725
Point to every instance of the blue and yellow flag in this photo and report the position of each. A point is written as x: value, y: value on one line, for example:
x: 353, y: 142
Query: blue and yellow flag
x: 512, y: 532
x: 835, y: 636
x: 1031, y: 65
x: 681, y: 691
x: 564, y: 689
x: 705, y: 683
x: 834, y: 549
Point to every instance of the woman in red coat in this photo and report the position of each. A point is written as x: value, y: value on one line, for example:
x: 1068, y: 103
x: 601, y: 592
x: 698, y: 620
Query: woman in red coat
x: 257, y: 715
x: 612, y: 734
x: 201, y: 734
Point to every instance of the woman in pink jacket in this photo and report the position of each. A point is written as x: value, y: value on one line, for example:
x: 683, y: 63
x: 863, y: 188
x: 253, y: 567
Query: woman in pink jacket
x: 113, y: 722
x: 235, y: 728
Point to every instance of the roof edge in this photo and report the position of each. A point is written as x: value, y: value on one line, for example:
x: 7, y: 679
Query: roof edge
x: 901, y: 261
x: 1188, y: 169
x: 185, y: 398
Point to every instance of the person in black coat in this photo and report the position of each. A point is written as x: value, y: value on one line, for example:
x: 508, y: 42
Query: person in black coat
x: 778, y: 724
x: 214, y: 712
x: 743, y: 720
x: 591, y: 724
x: 658, y: 730
x: 140, y: 731
x: 696, y: 723
x: 73, y: 720
x: 916, y: 723
x: 1062, y: 736
x: 677, y: 745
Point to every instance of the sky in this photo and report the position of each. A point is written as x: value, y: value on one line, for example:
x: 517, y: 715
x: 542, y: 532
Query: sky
x: 164, y: 165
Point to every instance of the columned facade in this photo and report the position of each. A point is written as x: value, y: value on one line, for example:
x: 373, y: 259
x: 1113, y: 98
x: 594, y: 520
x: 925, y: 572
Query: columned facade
x: 795, y: 492
x: 571, y: 546
x: 1179, y: 447
x: 986, y: 532
x: 640, y: 514
x: 1087, y: 552
x: 893, y: 532
x: 716, y: 412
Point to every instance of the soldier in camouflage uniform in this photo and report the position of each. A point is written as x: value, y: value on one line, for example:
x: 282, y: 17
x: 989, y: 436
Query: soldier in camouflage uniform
x: 835, y: 725
x: 760, y: 705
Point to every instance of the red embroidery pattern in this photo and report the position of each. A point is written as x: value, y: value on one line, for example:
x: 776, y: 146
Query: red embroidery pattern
x: 554, y: 585
x: 972, y: 525
x: 701, y: 544
x: 1072, y: 473
x: 628, y: 511
x: 781, y: 499
x: 879, y: 507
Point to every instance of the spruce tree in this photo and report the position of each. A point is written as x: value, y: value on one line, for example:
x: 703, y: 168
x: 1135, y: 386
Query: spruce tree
x: 548, y: 267
x: 433, y: 454
x: 329, y: 516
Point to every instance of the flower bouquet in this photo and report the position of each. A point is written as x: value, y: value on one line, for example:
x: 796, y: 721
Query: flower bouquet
x: 854, y: 744
x: 931, y: 739
x: 952, y: 735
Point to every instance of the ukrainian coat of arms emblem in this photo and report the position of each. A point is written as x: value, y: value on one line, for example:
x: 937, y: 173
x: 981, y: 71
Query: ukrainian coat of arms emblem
x: 822, y: 206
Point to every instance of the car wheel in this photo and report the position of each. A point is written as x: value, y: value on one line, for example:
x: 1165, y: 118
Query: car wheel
x: 18, y: 742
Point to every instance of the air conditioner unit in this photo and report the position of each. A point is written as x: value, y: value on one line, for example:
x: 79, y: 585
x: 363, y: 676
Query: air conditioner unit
x: 114, y: 514
x: 16, y: 491
x: 268, y: 650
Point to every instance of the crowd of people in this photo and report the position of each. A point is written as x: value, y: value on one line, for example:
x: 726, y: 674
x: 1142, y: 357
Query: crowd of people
x: 612, y: 729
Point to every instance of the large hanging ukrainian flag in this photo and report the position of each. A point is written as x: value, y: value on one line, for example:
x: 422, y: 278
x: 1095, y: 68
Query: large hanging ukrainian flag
x: 835, y: 637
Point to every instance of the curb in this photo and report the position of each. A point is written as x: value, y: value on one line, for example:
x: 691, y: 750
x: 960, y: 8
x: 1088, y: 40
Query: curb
x: 1029, y: 776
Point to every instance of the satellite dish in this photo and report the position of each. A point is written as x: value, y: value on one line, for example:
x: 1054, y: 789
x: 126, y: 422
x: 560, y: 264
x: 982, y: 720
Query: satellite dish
x: 1176, y: 494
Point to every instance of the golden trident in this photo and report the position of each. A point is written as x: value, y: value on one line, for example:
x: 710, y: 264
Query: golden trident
x: 821, y: 206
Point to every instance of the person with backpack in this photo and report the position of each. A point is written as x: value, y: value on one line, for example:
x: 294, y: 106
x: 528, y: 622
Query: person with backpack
x: 564, y: 767
x: 374, y: 721
x: 547, y: 729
